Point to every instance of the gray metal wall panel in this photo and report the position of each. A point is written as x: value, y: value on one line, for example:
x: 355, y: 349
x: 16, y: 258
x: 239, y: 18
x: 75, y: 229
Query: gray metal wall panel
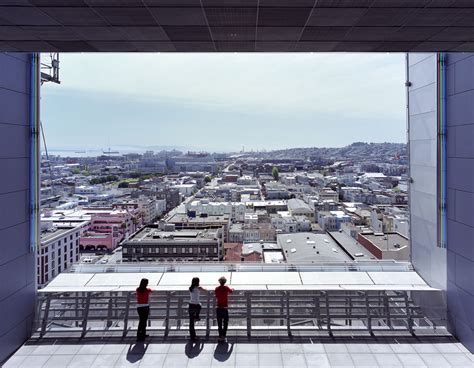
x: 17, y: 262
x: 460, y: 196
x: 428, y: 259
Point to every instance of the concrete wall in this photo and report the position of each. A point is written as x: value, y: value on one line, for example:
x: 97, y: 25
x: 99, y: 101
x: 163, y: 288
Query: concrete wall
x: 460, y: 196
x: 428, y: 259
x: 17, y: 262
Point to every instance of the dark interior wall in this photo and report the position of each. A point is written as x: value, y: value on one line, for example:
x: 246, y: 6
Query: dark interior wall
x: 460, y: 195
x: 17, y: 262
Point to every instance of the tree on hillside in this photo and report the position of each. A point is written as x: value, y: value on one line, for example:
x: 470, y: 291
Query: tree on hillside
x: 275, y: 173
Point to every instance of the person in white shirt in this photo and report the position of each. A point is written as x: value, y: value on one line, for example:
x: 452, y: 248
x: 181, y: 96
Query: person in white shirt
x: 194, y: 305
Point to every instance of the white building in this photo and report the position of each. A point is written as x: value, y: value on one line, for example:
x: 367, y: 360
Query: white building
x: 149, y: 209
x: 87, y: 189
x: 235, y: 210
x: 186, y: 189
x: 59, y: 248
x: 297, y: 207
x: 285, y: 223
x: 332, y: 220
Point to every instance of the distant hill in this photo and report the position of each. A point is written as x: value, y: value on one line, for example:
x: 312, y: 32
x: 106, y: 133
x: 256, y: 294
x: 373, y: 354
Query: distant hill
x: 354, y: 150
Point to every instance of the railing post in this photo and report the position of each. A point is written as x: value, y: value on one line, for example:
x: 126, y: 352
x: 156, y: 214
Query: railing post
x: 208, y: 317
x: 367, y: 311
x: 76, y: 312
x: 328, y: 313
x: 317, y: 309
x: 282, y: 307
x: 249, y: 313
x: 86, y: 315
x: 125, y: 319
x: 45, y: 315
x: 179, y: 312
x: 288, y: 319
x: 387, y: 309
x: 109, y: 312
x: 167, y: 316
x: 409, y: 317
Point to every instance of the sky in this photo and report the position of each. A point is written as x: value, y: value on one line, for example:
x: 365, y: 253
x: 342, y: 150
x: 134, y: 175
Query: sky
x: 224, y: 101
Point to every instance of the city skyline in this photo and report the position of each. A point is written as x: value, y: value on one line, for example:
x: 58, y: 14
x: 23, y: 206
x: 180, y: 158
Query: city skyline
x: 196, y: 102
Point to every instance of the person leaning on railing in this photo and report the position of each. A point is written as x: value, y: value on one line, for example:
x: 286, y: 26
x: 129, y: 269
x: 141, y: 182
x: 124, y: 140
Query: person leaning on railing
x: 222, y: 293
x: 143, y: 308
x: 194, y: 305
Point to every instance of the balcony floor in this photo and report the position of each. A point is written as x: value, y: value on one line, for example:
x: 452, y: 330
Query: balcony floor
x: 242, y: 352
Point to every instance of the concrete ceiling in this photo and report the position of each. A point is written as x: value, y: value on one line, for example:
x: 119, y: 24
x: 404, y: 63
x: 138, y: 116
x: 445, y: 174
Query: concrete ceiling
x: 236, y: 25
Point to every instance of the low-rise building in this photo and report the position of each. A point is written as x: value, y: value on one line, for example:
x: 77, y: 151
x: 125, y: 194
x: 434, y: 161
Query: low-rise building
x: 151, y: 244
x: 267, y: 252
x: 285, y: 223
x: 297, y: 207
x: 204, y: 208
x: 332, y: 220
x: 251, y: 232
x: 386, y: 246
x: 59, y: 248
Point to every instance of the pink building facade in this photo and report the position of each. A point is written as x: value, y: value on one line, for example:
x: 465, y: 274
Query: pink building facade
x: 108, y: 227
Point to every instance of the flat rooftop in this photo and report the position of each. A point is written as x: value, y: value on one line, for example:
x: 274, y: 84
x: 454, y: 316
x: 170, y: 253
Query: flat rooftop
x: 387, y: 241
x: 310, y: 247
x: 154, y: 235
x: 54, y: 233
x: 184, y: 218
x: 351, y: 246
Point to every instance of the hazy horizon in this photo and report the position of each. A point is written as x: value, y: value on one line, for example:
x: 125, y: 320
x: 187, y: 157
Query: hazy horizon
x: 222, y: 102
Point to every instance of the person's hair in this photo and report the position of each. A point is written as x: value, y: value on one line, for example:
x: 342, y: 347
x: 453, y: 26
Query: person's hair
x: 143, y: 285
x: 194, y: 283
x: 222, y: 280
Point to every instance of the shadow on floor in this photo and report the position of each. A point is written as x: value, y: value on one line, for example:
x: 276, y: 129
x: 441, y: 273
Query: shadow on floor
x: 136, y: 351
x: 223, y: 351
x: 193, y: 349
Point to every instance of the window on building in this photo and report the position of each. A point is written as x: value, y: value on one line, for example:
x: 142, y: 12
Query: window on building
x: 174, y: 250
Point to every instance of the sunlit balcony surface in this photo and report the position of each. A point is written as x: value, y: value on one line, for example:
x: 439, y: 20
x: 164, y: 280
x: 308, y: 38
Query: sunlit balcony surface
x: 253, y: 352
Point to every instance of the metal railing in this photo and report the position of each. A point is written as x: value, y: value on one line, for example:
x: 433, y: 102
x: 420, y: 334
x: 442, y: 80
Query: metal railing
x: 249, y: 311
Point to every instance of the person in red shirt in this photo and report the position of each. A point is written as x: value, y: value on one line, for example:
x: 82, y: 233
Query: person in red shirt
x: 143, y: 308
x: 222, y: 293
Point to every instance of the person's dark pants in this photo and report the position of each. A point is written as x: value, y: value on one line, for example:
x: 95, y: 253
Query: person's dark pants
x: 194, y: 310
x: 143, y: 313
x: 222, y: 315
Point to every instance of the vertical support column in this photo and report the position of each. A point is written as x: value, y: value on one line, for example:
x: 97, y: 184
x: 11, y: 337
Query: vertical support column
x: 167, y: 315
x: 208, y: 311
x: 249, y: 313
x: 109, y: 312
x: 127, y: 311
x: 387, y: 309
x: 86, y: 315
x: 35, y: 83
x: 328, y: 313
x: 288, y: 313
x: 367, y: 310
x: 408, y: 313
x: 44, y: 324
x: 179, y: 312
